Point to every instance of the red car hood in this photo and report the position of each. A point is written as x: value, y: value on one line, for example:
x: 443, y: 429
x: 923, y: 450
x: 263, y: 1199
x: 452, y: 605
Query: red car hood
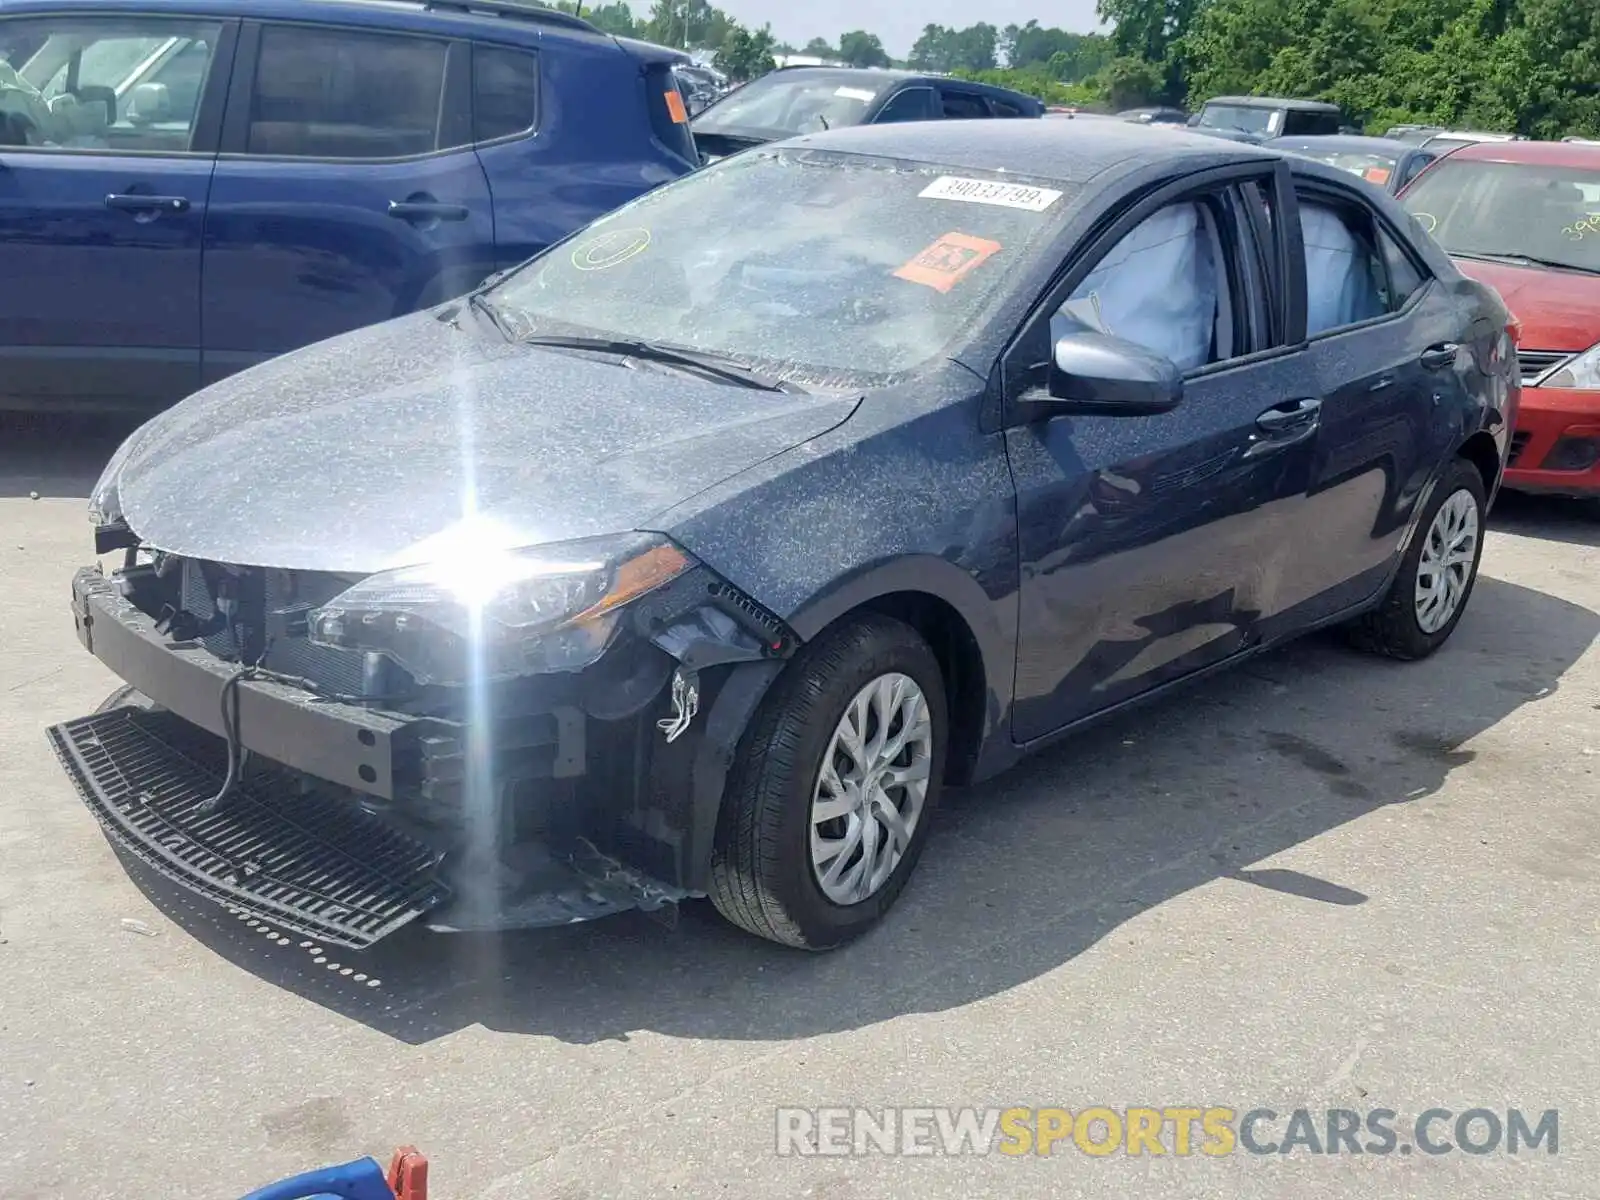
x: 1558, y: 310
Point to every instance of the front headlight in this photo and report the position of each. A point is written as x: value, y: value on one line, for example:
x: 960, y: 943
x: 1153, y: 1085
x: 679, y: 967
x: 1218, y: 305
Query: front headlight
x: 1582, y: 372
x: 105, y: 502
x: 495, y: 614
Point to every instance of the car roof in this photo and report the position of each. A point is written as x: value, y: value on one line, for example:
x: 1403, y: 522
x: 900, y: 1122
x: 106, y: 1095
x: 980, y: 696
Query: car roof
x: 878, y: 78
x: 1319, y: 106
x: 1350, y: 142
x: 499, y: 20
x: 1065, y: 152
x: 1549, y: 154
x: 873, y: 77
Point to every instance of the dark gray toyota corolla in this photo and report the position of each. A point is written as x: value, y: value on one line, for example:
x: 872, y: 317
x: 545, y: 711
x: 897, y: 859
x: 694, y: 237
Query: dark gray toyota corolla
x: 695, y: 556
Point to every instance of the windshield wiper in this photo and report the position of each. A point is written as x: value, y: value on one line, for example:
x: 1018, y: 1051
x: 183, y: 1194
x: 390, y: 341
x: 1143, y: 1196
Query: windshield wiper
x: 1532, y: 260
x: 694, y: 360
x: 482, y: 304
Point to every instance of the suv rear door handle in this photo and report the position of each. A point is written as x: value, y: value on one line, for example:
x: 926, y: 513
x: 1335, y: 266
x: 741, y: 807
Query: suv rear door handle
x: 426, y: 210
x: 132, y: 202
x: 1437, y: 358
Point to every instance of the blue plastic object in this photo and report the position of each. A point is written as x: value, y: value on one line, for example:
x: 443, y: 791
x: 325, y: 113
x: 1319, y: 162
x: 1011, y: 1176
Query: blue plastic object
x: 359, y: 1180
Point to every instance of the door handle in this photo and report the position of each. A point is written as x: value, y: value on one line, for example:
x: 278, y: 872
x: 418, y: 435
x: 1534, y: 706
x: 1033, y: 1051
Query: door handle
x: 1437, y: 358
x: 1285, y: 425
x: 1294, y: 416
x: 132, y: 202
x: 425, y: 210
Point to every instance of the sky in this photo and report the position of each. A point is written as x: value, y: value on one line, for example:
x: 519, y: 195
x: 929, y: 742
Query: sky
x: 899, y: 22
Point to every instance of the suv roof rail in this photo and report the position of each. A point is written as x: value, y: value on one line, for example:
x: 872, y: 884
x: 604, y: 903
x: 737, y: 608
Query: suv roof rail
x: 523, y: 10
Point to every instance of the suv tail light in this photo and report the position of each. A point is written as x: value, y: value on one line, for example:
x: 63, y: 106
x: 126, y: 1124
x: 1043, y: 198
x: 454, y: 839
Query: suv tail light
x: 669, y: 114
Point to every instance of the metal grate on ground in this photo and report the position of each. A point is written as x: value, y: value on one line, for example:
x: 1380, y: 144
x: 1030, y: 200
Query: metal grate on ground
x: 312, y: 863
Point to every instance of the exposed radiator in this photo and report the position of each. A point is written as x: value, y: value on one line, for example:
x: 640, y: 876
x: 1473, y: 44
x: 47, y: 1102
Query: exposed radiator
x: 343, y: 672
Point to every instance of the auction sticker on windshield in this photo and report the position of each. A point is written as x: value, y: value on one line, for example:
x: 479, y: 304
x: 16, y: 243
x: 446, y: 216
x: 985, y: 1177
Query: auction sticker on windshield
x: 948, y: 261
x: 850, y: 93
x: 987, y: 191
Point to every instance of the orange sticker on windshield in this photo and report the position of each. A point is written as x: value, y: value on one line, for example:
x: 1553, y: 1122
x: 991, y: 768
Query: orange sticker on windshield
x: 948, y: 261
x: 1378, y: 175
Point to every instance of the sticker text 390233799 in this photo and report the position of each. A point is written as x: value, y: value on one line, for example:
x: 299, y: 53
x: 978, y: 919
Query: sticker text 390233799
x: 988, y: 191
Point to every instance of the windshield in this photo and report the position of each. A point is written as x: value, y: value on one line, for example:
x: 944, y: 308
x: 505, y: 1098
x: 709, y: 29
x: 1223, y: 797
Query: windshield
x: 1513, y: 210
x: 797, y: 261
x: 1374, y: 168
x: 1243, y: 117
x: 780, y: 105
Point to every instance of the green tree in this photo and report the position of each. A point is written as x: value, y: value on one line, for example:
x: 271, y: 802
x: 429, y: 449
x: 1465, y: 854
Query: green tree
x: 615, y: 19
x: 746, y: 54
x: 819, y: 48
x: 1074, y: 55
x: 1153, y: 30
x: 862, y: 49
x: 976, y: 46
x: 942, y: 49
x: 930, y: 52
x: 1130, y: 82
x: 686, y: 23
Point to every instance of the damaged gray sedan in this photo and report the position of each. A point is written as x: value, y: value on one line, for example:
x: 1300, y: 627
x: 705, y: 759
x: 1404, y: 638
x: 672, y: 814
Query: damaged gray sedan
x: 696, y: 555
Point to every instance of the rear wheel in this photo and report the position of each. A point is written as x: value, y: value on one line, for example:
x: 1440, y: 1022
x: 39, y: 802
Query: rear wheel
x: 830, y: 801
x: 1430, y: 591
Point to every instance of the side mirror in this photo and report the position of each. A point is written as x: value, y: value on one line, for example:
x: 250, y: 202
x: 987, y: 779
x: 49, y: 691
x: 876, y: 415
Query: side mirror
x: 1094, y: 374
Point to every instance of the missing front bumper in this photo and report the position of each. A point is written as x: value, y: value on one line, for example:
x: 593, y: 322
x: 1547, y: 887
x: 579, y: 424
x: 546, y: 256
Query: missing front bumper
x: 310, y: 863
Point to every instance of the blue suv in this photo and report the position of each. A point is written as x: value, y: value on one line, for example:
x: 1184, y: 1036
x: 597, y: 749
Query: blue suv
x: 190, y: 187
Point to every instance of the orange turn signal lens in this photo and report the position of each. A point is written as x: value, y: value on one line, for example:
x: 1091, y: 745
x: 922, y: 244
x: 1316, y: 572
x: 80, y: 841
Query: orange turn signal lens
x: 656, y: 566
x: 675, y: 108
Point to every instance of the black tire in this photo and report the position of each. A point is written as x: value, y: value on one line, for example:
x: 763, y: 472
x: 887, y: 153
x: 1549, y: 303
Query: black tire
x: 1391, y: 628
x: 761, y: 873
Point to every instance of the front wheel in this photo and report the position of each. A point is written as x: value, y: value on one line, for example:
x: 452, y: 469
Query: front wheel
x: 830, y: 800
x: 1435, y: 580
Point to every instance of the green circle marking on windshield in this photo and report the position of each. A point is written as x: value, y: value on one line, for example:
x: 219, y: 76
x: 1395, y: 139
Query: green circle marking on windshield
x: 1428, y: 221
x: 610, y: 249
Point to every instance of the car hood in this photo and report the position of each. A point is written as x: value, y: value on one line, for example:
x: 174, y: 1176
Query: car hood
x: 353, y: 454
x: 1558, y: 310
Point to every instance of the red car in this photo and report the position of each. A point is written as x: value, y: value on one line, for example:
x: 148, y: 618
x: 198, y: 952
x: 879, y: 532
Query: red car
x: 1524, y: 217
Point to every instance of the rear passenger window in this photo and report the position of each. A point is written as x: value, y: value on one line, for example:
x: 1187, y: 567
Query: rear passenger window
x: 1004, y: 108
x: 332, y: 93
x: 1405, y: 277
x: 963, y: 105
x: 1346, y: 281
x: 1310, y: 124
x: 505, y: 92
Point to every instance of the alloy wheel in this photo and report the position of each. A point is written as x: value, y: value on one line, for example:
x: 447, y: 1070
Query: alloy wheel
x: 1448, y: 555
x: 871, y: 789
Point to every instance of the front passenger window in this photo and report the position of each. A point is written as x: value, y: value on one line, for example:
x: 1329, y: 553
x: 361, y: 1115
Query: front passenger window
x: 129, y: 84
x: 913, y: 104
x: 1161, y: 287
